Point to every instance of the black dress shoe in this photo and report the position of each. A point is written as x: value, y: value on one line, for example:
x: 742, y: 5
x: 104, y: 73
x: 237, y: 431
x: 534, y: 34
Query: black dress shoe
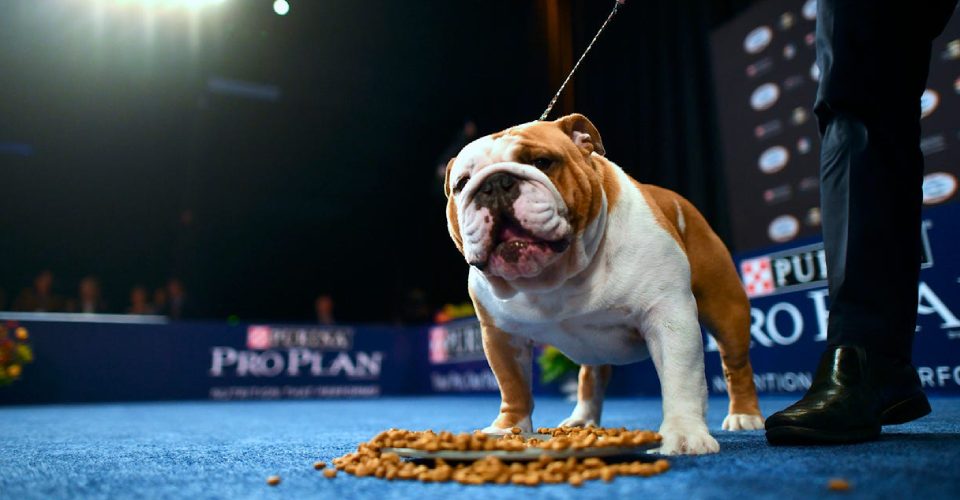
x: 852, y: 395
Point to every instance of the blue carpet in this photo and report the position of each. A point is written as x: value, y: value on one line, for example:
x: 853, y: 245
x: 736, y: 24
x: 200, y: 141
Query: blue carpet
x: 226, y: 450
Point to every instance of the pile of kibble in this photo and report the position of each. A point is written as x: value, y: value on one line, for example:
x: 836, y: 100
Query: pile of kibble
x: 370, y: 460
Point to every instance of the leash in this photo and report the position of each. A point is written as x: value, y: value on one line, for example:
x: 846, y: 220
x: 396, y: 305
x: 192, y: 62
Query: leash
x: 616, y: 5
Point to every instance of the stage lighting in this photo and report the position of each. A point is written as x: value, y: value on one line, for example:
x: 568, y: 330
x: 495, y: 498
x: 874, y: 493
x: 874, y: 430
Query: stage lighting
x: 281, y: 7
x: 190, y: 4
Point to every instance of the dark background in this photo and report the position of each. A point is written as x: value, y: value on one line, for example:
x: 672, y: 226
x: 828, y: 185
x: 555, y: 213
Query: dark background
x: 757, y: 198
x: 117, y: 159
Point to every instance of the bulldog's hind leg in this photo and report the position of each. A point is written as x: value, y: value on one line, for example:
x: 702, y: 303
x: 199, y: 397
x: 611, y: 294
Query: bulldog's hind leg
x: 725, y: 311
x: 593, y: 384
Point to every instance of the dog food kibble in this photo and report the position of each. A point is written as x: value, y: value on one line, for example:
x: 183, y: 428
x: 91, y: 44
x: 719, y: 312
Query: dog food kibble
x: 838, y: 485
x: 273, y: 480
x: 370, y: 460
x: 319, y: 465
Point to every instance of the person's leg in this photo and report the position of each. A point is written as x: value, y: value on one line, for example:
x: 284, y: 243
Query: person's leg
x: 874, y: 57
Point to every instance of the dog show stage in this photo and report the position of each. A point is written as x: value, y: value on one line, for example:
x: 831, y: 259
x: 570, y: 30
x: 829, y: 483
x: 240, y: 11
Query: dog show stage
x: 228, y: 449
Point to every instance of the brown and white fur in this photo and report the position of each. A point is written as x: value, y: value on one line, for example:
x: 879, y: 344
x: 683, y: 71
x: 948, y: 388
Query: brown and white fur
x: 566, y: 249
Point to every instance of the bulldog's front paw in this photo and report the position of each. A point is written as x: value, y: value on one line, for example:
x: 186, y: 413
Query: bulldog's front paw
x: 505, y: 423
x: 582, y: 416
x: 686, y: 438
x: 742, y: 422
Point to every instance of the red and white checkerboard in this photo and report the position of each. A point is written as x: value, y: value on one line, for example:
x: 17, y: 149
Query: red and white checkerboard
x: 757, y: 276
x: 258, y: 337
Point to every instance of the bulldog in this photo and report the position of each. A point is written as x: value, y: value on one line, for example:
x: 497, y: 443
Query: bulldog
x: 566, y: 249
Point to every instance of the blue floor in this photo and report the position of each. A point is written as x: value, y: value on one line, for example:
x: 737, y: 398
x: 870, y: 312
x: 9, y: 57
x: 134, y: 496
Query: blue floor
x: 226, y: 450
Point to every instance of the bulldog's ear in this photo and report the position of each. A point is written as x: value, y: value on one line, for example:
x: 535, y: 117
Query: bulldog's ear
x: 446, y: 177
x: 582, y: 132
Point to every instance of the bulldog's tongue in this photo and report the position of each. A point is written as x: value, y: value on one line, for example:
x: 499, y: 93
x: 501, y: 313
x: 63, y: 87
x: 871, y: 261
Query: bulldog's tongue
x: 513, y: 232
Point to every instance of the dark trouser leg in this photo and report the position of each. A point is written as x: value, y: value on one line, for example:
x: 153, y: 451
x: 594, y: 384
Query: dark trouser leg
x: 874, y: 57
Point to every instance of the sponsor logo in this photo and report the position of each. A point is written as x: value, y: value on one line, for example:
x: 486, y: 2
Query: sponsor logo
x: 929, y: 102
x: 789, y: 51
x: 938, y: 187
x: 783, y: 228
x: 787, y: 20
x: 759, y: 68
x: 799, y: 115
x: 813, y: 217
x: 777, y: 194
x: 952, y: 52
x: 792, y: 82
x: 262, y: 337
x: 458, y: 342
x: 794, y: 269
x: 809, y: 10
x: 810, y: 183
x: 782, y: 323
x: 293, y: 392
x: 939, y: 376
x: 773, y: 159
x: 802, y: 267
x: 226, y: 361
x: 770, y: 382
x: 757, y: 40
x: 768, y: 129
x: 764, y: 96
x: 757, y: 277
x: 464, y: 381
x: 933, y: 144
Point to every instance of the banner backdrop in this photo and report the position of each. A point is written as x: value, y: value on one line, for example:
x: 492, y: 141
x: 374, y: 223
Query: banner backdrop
x: 97, y: 361
x: 84, y: 361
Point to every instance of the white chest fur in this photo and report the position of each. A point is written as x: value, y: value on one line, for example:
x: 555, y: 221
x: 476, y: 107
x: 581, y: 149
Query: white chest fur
x: 599, y: 316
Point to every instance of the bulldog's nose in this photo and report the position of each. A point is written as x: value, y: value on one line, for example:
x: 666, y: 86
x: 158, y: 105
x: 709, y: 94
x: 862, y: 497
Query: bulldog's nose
x: 499, y: 183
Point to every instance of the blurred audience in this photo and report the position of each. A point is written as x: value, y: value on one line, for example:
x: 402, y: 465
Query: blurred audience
x: 160, y: 301
x: 177, y: 304
x: 88, y: 300
x: 138, y: 301
x: 324, y: 308
x: 40, y: 297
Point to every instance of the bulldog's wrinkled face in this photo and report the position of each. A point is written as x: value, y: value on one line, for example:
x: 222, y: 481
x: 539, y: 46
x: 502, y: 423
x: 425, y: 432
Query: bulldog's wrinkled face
x: 520, y: 200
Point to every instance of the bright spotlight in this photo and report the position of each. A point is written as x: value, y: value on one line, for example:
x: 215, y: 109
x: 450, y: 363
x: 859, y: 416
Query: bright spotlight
x: 281, y: 7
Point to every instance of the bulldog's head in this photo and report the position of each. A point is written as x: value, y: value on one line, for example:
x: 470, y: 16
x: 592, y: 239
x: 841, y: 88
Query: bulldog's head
x: 526, y: 206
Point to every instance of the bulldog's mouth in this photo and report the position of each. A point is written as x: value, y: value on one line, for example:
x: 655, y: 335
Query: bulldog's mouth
x: 512, y: 239
x: 517, y: 252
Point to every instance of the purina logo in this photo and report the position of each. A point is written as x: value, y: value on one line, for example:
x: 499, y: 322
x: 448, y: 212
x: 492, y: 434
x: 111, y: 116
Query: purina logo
x: 262, y: 337
x: 795, y: 269
x: 458, y: 342
x: 800, y: 268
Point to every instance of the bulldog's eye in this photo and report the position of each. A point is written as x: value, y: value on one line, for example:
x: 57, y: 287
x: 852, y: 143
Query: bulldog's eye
x: 542, y: 163
x: 461, y: 183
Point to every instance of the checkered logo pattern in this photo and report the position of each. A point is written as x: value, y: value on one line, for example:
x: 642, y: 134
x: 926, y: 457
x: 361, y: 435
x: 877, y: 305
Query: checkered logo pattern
x: 258, y: 337
x: 757, y: 276
x: 438, y: 345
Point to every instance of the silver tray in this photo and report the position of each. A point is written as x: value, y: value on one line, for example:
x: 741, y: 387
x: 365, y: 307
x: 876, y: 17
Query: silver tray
x: 527, y: 454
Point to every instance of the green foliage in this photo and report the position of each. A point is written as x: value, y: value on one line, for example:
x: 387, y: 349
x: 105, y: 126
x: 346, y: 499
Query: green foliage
x: 554, y: 365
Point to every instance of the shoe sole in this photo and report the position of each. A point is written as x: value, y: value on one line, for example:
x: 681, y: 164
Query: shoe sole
x: 789, y: 435
x: 908, y: 410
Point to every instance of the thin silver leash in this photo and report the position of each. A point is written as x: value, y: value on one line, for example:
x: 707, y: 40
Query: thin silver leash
x: 616, y: 5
